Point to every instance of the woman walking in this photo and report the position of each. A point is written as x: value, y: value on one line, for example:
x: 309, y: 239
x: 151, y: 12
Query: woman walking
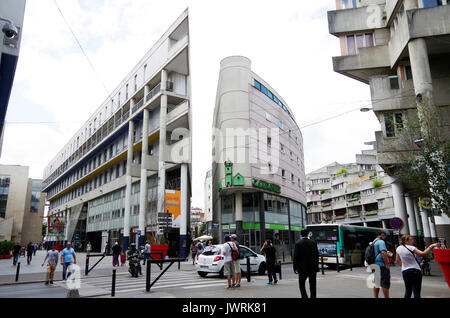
x: 411, y: 272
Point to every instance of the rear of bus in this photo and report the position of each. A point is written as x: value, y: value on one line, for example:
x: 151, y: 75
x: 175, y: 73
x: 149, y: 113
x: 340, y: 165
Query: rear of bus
x: 329, y: 242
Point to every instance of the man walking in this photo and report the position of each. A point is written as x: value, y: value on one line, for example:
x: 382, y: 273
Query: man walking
x: 382, y: 261
x: 228, y: 268
x: 30, y: 250
x: 117, y: 250
x: 271, y: 259
x: 236, y: 263
x: 306, y: 263
x: 16, y: 253
x: 68, y: 258
x: 52, y: 262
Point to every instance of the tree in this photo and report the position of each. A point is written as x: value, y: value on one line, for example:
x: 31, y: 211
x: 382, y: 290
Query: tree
x: 425, y: 171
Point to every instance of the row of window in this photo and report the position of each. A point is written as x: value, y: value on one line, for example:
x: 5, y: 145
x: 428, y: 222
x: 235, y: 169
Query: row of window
x: 273, y: 97
x: 358, y: 41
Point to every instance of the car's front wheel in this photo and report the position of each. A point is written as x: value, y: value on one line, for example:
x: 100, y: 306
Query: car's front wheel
x: 202, y: 274
x: 262, y: 269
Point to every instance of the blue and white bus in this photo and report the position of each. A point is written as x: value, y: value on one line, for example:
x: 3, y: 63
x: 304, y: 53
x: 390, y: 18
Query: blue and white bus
x: 347, y: 241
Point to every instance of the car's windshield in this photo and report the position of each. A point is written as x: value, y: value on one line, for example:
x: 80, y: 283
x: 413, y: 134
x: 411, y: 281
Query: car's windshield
x: 211, y: 250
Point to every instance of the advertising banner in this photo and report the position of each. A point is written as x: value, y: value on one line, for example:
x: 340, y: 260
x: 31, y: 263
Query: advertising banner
x: 56, y: 225
x: 173, y: 206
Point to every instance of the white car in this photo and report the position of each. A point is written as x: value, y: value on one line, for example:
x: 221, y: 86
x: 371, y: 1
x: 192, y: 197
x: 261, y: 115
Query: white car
x: 212, y: 261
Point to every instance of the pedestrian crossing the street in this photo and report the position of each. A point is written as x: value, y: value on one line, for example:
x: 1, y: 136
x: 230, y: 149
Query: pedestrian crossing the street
x: 125, y: 283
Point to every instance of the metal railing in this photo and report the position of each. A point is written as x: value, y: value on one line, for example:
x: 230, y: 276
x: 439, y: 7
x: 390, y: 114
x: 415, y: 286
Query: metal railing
x: 155, y: 90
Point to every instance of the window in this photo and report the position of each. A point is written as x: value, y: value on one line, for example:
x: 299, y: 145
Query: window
x: 408, y: 73
x: 283, y: 173
x: 268, y: 116
x: 281, y: 124
x: 257, y: 85
x: 269, y: 141
x: 431, y: 3
x: 393, y: 124
x: 126, y: 92
x: 357, y: 41
x: 394, y: 82
x: 135, y: 83
x: 292, y: 177
x: 264, y: 89
x: 351, y: 48
x: 4, y: 191
x: 281, y: 147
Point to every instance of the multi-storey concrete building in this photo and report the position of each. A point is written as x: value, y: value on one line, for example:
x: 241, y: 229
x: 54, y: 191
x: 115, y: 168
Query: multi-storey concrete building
x: 207, y: 188
x: 357, y: 193
x: 21, y: 205
x: 258, y: 176
x: 112, y: 177
x: 11, y: 22
x: 401, y: 49
x: 197, y: 220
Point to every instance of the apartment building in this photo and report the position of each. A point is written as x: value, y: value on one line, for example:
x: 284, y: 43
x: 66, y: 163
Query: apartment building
x: 258, y: 176
x: 197, y: 220
x: 401, y: 49
x: 11, y: 21
x: 21, y: 205
x: 112, y: 179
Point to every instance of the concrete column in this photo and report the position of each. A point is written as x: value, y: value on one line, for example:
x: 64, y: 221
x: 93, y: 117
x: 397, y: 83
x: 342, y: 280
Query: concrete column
x: 384, y: 224
x: 184, y: 211
x: 417, y: 215
x: 162, y: 145
x: 126, y: 220
x: 143, y: 185
x: 67, y: 230
x: 433, y: 230
x: 410, y: 4
x: 399, y: 206
x: 426, y: 227
x: 239, y: 215
x: 411, y: 217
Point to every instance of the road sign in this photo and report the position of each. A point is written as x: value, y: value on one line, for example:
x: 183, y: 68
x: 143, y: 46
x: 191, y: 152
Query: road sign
x: 396, y: 223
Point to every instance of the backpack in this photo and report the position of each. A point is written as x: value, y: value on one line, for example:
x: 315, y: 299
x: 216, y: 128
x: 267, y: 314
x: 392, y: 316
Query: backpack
x: 234, y: 252
x: 369, y: 255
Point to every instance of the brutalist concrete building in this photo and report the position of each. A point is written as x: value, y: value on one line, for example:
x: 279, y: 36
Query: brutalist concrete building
x: 401, y: 49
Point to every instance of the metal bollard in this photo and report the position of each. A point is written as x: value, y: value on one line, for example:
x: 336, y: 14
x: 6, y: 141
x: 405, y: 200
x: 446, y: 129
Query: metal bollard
x: 147, y: 276
x: 86, y: 269
x: 337, y: 262
x: 17, y: 271
x: 351, y: 264
x: 281, y: 277
x: 248, y: 269
x: 113, y: 287
x: 323, y: 270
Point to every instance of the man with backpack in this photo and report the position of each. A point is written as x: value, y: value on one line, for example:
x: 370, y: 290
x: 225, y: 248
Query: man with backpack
x: 236, y: 262
x: 271, y: 259
x: 228, y: 267
x: 376, y: 253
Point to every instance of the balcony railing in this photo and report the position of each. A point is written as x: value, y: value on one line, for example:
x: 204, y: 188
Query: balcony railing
x: 155, y: 90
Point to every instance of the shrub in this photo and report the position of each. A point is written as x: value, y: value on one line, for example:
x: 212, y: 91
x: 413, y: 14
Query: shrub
x: 5, y: 247
x: 377, y: 183
x: 342, y: 171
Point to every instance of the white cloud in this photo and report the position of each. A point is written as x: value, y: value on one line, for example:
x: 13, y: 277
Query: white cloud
x: 287, y: 41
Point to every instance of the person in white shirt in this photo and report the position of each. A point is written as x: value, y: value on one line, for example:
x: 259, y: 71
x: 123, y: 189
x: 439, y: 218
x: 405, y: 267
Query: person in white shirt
x: 411, y: 271
x: 228, y: 268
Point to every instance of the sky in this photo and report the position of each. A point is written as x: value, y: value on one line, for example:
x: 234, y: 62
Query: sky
x: 56, y: 90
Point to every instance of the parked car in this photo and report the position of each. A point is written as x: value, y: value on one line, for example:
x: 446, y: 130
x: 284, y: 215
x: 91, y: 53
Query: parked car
x: 212, y: 261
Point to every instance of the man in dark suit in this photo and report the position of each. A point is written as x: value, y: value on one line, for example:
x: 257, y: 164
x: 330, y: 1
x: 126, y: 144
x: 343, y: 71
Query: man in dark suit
x: 306, y: 263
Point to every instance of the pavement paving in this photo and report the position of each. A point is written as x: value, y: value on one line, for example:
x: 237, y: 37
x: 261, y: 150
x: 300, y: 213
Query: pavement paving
x: 185, y: 283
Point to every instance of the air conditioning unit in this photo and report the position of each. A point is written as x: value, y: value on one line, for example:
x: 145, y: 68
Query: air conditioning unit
x: 169, y: 86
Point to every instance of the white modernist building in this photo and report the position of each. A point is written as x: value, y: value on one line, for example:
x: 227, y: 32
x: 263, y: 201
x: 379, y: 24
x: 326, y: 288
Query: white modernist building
x: 208, y: 202
x: 111, y: 179
x: 258, y: 175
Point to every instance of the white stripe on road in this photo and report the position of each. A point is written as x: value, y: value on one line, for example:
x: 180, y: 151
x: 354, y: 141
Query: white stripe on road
x: 171, y: 286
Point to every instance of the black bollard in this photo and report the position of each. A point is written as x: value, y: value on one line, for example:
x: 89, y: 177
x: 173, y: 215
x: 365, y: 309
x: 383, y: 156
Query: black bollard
x: 147, y: 276
x: 323, y: 270
x: 86, y: 269
x: 351, y: 264
x: 281, y: 277
x: 337, y: 262
x: 113, y: 287
x: 248, y: 269
x: 17, y: 271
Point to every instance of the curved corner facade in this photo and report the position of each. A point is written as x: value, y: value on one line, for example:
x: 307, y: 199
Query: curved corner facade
x: 258, y: 174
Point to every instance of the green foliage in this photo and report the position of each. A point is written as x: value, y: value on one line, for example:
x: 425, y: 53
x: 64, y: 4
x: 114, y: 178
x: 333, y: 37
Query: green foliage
x: 424, y: 172
x: 342, y: 171
x: 202, y: 229
x: 5, y: 247
x: 377, y: 183
x: 323, y: 191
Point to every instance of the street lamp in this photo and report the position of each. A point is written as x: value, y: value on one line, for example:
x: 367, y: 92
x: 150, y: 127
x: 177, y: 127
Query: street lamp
x: 365, y: 109
x: 9, y: 29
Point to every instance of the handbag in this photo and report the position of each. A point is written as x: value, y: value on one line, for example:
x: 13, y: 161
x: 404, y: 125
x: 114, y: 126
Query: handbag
x: 277, y: 268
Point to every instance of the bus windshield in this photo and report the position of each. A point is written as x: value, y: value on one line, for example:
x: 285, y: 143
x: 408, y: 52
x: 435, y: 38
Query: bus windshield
x: 324, y: 233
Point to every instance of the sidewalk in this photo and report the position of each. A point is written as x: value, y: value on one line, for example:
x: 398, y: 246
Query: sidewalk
x: 36, y: 273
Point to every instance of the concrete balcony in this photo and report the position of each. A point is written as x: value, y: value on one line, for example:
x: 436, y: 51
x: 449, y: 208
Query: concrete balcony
x: 355, y: 20
x: 369, y: 61
x: 339, y: 205
x: 387, y: 99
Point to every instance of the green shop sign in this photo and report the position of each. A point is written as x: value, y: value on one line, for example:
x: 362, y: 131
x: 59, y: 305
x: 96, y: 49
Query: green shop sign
x: 266, y: 186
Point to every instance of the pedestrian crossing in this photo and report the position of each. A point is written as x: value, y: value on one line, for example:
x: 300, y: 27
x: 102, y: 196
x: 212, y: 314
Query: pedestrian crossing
x: 125, y: 283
